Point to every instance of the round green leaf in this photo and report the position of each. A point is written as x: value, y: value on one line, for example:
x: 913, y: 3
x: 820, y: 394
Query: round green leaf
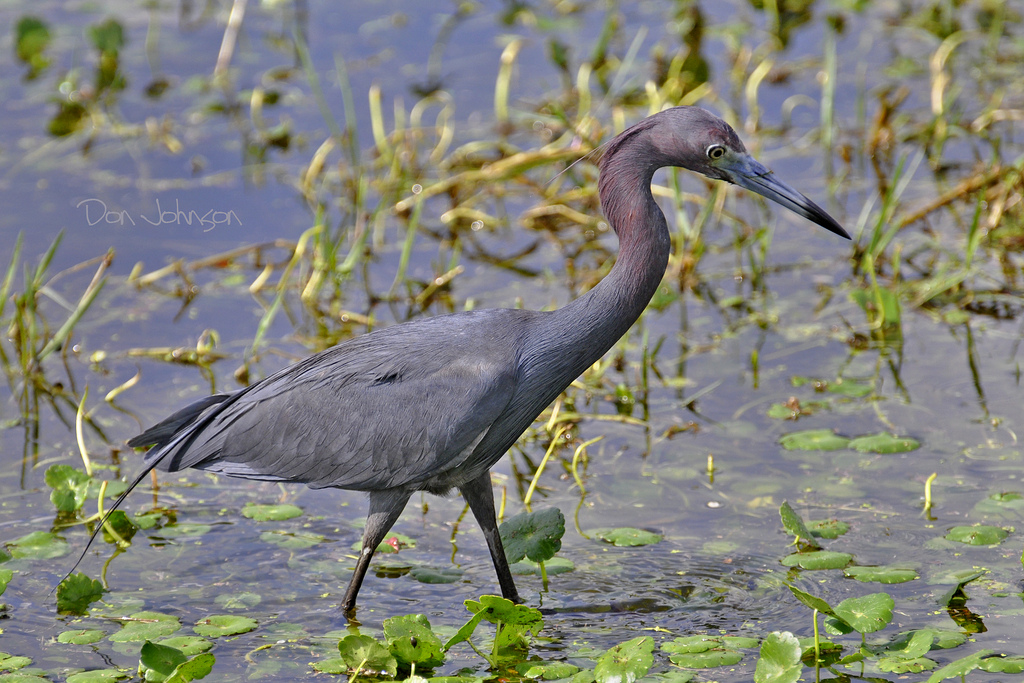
x: 160, y: 658
x: 271, y: 513
x: 238, y: 600
x: 977, y: 535
x: 291, y: 540
x: 547, y: 671
x: 185, y: 530
x: 145, y: 626
x: 625, y: 662
x: 365, y: 653
x: 218, y: 625
x: 556, y: 565
x: 13, y: 663
x: 813, y: 440
x: 81, y: 636
x: 818, y: 559
x: 884, y: 443
x: 1001, y: 664
x: 887, y: 574
x: 436, y: 575
x: 38, y: 545
x: 190, y: 645
x: 77, y: 592
x: 900, y: 665
x: 779, y: 660
x: 98, y: 676
x: 710, y: 659
x: 536, y: 535
x: 411, y: 641
x: 868, y: 613
x: 627, y: 537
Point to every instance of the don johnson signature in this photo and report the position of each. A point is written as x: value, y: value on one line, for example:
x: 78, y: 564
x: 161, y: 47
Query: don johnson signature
x: 96, y: 212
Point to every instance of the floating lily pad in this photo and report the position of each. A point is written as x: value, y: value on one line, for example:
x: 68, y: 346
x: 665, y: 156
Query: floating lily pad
x: 536, y: 535
x: 884, y: 443
x: 271, y: 513
x: 291, y: 540
x: 5, y: 576
x: 556, y: 565
x: 813, y: 440
x: 38, y: 545
x: 977, y: 535
x: 436, y: 575
x: 99, y: 676
x: 885, y: 574
x: 238, y: 600
x: 547, y: 671
x: 901, y: 665
x: 190, y: 645
x: 779, y: 660
x: 627, y: 537
x: 1002, y: 665
x: 866, y: 614
x: 390, y: 545
x: 81, y: 636
x: 185, y: 530
x: 1004, y: 506
x: 625, y: 662
x: 13, y: 663
x: 819, y: 559
x: 218, y: 625
x: 143, y: 626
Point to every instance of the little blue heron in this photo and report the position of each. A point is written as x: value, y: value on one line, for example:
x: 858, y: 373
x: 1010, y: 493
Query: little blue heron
x: 432, y: 404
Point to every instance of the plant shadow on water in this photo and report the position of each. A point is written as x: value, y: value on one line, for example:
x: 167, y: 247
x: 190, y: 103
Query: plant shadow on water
x: 332, y: 178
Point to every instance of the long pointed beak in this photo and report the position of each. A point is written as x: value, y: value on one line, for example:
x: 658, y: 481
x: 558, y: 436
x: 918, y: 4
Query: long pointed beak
x: 751, y: 174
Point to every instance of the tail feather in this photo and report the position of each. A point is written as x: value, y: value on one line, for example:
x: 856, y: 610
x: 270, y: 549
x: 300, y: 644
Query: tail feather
x: 158, y: 435
x: 162, y: 432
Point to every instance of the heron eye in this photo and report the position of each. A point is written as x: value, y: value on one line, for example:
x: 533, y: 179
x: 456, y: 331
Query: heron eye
x: 715, y: 152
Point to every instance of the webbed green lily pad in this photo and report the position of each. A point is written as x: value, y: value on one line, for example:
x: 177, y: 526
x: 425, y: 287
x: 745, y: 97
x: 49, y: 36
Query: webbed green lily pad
x: 885, y: 574
x: 271, y: 513
x: 81, y: 636
x: 977, y: 535
x: 142, y: 626
x: 99, y: 676
x: 38, y: 545
x: 218, y: 625
x: 813, y: 440
x: 884, y: 443
x: 627, y: 537
x: 291, y: 540
x: 818, y: 559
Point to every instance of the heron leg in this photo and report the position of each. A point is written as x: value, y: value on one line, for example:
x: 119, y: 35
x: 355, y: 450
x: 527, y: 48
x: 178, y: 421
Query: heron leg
x: 385, y: 509
x: 481, y: 501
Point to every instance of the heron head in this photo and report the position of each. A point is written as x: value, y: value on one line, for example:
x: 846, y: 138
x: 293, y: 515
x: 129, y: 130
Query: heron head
x: 698, y: 140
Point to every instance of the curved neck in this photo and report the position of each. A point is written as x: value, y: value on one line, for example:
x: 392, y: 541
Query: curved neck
x: 577, y: 335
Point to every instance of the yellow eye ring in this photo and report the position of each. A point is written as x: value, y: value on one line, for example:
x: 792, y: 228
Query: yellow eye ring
x: 715, y: 152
